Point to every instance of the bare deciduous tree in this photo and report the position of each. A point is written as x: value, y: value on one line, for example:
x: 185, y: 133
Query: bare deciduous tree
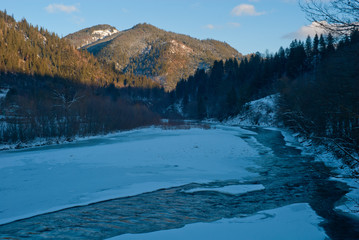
x: 66, y: 100
x: 337, y: 16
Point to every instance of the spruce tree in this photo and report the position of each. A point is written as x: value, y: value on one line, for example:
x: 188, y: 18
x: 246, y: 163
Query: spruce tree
x: 330, y: 43
x: 308, y: 46
x: 322, y: 44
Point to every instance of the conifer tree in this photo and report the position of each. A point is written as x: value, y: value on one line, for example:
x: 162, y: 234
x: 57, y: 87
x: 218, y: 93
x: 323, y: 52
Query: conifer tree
x: 322, y: 44
x: 315, y: 45
x: 308, y: 46
x: 330, y: 43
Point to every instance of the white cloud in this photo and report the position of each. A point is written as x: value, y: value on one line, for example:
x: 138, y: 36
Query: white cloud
x: 303, y: 32
x: 245, y: 9
x: 209, y: 26
x: 234, y: 24
x: 53, y: 8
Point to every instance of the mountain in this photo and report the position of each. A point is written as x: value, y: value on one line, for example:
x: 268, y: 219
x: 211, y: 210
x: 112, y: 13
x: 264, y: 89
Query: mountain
x: 163, y: 56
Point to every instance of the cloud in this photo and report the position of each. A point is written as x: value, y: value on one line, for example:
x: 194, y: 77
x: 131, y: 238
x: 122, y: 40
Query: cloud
x: 209, y: 26
x: 53, y: 8
x: 245, y: 9
x: 234, y: 24
x: 303, y: 32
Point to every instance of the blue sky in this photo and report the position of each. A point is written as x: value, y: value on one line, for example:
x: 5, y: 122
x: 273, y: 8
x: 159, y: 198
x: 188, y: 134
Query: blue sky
x: 247, y: 25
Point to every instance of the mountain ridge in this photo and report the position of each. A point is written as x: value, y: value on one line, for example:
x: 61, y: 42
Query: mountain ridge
x: 165, y: 57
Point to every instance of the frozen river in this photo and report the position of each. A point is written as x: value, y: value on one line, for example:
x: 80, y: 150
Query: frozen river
x: 220, y: 183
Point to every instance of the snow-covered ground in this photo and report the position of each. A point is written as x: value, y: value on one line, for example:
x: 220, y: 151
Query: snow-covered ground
x: 104, y: 33
x: 350, y: 203
x: 295, y: 222
x: 261, y: 112
x: 50, y: 178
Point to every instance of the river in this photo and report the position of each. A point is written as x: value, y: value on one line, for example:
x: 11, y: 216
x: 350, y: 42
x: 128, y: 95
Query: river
x: 288, y: 177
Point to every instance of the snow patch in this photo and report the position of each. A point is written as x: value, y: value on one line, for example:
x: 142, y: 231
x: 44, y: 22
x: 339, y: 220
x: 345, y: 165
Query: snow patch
x: 104, y: 33
x: 350, y: 203
x: 3, y: 92
x: 289, y: 138
x: 179, y: 47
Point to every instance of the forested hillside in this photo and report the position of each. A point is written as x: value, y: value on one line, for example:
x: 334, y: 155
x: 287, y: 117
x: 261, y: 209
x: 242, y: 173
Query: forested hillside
x: 32, y: 50
x: 54, y: 91
x: 323, y: 102
x: 145, y: 50
x: 318, y: 80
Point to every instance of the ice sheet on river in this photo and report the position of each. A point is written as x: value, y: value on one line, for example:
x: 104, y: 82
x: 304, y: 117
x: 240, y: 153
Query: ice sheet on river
x: 50, y: 178
x: 295, y: 222
x: 231, y: 189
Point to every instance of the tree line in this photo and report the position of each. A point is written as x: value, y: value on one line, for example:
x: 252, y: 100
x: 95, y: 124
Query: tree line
x: 317, y: 79
x: 38, y: 107
x: 324, y: 101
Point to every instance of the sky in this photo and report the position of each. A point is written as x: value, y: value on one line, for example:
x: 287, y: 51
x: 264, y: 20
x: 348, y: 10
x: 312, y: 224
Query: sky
x: 247, y: 25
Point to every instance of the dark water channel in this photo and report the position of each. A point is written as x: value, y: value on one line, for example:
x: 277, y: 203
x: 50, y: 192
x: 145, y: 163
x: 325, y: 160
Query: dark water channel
x: 288, y: 177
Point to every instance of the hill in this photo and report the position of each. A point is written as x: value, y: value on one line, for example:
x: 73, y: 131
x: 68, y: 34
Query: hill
x: 163, y: 56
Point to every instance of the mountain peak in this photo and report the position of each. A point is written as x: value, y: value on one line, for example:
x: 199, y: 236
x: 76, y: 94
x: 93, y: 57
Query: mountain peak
x: 144, y: 25
x: 90, y: 35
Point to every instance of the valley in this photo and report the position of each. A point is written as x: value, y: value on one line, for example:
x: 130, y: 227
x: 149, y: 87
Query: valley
x: 147, y: 127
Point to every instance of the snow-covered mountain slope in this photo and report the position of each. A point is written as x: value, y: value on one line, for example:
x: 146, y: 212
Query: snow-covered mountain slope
x: 90, y: 35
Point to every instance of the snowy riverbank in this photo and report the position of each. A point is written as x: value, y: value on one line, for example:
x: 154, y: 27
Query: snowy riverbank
x: 263, y: 113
